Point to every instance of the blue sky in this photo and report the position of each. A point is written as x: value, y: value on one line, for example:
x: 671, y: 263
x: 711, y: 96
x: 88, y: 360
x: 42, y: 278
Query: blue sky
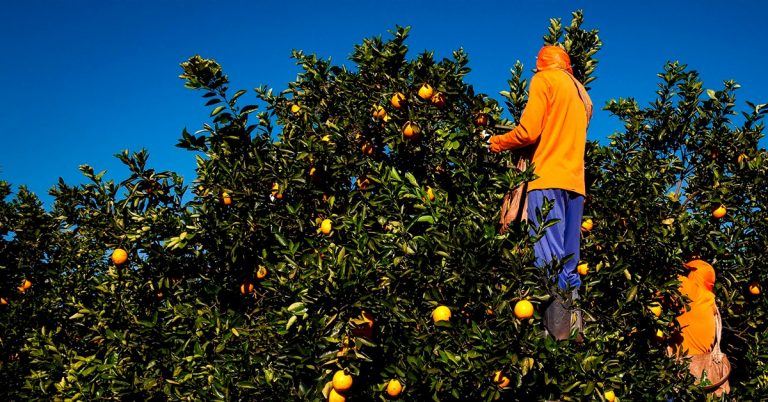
x: 86, y: 79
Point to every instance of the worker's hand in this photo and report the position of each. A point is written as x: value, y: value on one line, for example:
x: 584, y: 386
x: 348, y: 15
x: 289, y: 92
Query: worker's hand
x: 493, y: 144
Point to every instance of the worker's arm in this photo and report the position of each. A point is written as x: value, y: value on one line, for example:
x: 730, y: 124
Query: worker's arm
x: 531, y: 122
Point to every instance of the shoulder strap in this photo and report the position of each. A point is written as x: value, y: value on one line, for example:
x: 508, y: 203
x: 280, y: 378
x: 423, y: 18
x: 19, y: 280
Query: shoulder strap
x: 583, y: 96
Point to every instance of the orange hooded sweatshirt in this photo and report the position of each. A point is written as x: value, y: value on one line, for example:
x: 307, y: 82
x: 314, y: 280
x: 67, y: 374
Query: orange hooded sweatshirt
x: 555, y: 122
x: 698, y: 323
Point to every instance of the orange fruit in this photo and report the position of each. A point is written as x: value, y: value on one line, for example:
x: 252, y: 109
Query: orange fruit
x: 500, y: 379
x: 342, y: 381
x: 26, y: 284
x: 398, y: 99
x: 246, y: 288
x: 364, y: 329
x: 481, y: 119
x: 367, y: 148
x: 411, y: 130
x: 430, y: 194
x: 719, y: 212
x: 425, y: 92
x: 379, y: 112
x: 119, y: 256
x: 438, y: 100
x: 3, y: 301
x: 362, y: 182
x: 754, y: 288
x: 226, y: 199
x: 583, y: 269
x: 655, y: 309
x: 587, y: 225
x: 441, y: 313
x: 609, y: 396
x: 523, y: 309
x: 334, y: 396
x: 326, y: 226
x: 295, y: 109
x: 394, y: 387
x: 261, y: 273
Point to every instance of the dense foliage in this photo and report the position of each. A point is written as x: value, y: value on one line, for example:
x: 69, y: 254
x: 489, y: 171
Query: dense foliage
x: 238, y: 291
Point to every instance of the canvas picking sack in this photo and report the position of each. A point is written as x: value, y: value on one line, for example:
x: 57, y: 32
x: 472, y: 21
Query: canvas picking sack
x: 714, y: 366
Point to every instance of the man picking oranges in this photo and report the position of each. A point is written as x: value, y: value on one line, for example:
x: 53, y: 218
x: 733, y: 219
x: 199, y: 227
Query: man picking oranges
x: 554, y: 124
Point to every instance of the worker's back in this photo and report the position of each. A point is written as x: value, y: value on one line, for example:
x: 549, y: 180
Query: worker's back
x: 559, y: 155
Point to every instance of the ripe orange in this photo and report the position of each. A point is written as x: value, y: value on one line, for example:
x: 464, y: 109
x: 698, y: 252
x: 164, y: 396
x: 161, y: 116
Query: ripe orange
x: 379, y: 112
x: 411, y: 130
x: 430, y: 194
x: 334, y: 396
x: 26, y: 284
x: 367, y: 148
x: 326, y: 226
x: 441, y: 313
x: 583, y: 269
x: 295, y: 109
x: 609, y: 396
x: 523, y: 309
x: 500, y: 379
x: 3, y: 301
x: 438, y: 100
x: 262, y: 272
x: 246, y: 288
x: 394, y: 387
x: 425, y: 92
x: 276, y: 191
x: 655, y: 308
x: 398, y: 99
x: 226, y: 199
x: 364, y: 329
x: 587, y: 225
x: 481, y: 119
x: 119, y: 256
x: 754, y: 288
x: 342, y: 381
x: 362, y: 182
x: 719, y: 212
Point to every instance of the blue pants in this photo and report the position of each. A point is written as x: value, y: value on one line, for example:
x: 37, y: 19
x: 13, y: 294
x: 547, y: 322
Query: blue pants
x: 562, y: 239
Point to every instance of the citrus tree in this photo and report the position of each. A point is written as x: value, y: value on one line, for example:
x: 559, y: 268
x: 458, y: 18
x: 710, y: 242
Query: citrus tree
x: 340, y: 241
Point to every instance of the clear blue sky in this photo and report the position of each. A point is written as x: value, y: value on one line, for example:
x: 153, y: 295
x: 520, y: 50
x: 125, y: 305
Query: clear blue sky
x: 86, y: 79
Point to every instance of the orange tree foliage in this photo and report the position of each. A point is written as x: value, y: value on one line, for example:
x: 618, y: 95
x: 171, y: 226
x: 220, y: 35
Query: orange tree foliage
x: 187, y: 318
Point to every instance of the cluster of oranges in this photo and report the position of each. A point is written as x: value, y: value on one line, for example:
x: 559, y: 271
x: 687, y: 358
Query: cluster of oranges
x: 342, y: 382
x: 523, y: 310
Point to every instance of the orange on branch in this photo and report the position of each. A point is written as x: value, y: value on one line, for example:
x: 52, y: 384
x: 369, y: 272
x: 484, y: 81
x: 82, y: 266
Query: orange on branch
x: 425, y: 92
x: 523, y: 309
x: 398, y: 100
x: 342, y: 381
x: 441, y: 313
x: 119, y: 256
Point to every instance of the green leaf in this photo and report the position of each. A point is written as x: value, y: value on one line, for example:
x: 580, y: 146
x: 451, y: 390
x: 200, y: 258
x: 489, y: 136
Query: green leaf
x: 217, y: 110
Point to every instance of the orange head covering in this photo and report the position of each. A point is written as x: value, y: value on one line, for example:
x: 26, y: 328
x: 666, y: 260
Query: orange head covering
x: 701, y: 273
x: 553, y: 57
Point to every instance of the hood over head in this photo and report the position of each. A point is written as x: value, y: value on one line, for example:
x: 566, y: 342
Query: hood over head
x: 553, y: 57
x: 701, y: 273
